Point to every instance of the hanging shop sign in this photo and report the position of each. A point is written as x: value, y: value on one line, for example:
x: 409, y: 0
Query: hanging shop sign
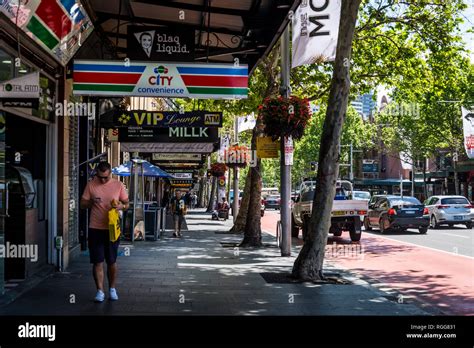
x: 182, y: 175
x: 169, y: 135
x: 267, y: 148
x: 144, y: 118
x: 370, y: 166
x: 160, y: 44
x: 315, y: 31
x: 160, y: 79
x: 23, y: 91
x: 192, y: 157
x: 60, y: 27
x: 189, y: 147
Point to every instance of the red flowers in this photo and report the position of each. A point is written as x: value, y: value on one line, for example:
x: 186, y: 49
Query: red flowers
x: 285, y: 116
x: 218, y: 169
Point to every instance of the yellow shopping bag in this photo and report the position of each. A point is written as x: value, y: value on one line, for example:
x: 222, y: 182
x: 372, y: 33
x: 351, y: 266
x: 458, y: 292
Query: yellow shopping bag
x: 114, y: 225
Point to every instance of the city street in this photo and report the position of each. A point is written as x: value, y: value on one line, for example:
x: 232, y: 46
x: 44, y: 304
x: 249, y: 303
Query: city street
x: 411, y: 266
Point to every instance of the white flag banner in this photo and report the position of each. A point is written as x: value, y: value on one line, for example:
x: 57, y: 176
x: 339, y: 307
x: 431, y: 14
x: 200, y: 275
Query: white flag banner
x: 315, y: 31
x: 245, y: 123
x: 406, y: 161
x: 225, y: 143
x: 468, y: 125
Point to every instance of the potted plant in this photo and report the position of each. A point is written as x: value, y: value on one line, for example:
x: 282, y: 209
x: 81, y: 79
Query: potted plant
x: 218, y: 169
x: 283, y: 117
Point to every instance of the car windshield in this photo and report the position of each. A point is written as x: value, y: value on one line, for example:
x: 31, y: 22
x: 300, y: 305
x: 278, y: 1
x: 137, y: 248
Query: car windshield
x: 273, y: 197
x: 404, y: 201
x: 361, y: 195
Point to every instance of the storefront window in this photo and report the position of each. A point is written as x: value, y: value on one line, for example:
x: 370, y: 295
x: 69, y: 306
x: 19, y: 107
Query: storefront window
x: 6, y: 66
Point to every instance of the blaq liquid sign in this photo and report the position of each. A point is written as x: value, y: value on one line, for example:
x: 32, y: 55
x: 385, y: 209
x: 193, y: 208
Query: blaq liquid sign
x: 160, y: 44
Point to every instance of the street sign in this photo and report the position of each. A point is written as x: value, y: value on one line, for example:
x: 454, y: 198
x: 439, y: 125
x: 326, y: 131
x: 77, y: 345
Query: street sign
x: 288, y: 151
x: 266, y: 148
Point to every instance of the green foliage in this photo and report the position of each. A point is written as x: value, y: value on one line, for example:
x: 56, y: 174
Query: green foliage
x: 355, y: 130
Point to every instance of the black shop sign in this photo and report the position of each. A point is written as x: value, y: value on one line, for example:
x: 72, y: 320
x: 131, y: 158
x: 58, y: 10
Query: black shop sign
x: 160, y: 44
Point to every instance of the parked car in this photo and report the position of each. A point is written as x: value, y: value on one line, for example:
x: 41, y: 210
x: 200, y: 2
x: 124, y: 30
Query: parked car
x: 449, y: 210
x: 394, y: 212
x: 272, y: 201
x: 362, y: 195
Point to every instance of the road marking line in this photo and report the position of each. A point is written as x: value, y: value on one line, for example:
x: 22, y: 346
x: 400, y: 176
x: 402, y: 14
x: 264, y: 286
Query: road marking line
x: 455, y: 235
x: 422, y: 246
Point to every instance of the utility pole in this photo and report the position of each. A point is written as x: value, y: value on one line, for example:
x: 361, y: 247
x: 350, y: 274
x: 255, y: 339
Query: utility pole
x: 235, y: 203
x: 285, y: 167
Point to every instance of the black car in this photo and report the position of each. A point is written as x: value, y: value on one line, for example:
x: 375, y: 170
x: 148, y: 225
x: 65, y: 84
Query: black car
x: 394, y: 212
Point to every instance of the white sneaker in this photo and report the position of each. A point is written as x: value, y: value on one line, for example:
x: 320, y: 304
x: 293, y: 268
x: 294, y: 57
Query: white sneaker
x: 113, y: 294
x: 100, y: 296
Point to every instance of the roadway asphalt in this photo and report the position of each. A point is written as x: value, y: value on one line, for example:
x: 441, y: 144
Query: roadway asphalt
x: 435, y: 270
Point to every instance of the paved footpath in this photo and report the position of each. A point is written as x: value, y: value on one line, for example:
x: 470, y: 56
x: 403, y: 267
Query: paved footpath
x: 198, y: 275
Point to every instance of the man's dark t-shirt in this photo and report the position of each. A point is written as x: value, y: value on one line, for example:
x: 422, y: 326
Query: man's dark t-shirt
x: 178, y: 206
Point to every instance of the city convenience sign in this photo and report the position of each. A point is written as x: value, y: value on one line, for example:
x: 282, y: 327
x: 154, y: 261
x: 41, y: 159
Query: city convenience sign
x: 160, y: 79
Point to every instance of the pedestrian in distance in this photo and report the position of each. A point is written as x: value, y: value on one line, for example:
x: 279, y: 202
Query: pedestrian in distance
x: 101, y: 194
x: 178, y: 210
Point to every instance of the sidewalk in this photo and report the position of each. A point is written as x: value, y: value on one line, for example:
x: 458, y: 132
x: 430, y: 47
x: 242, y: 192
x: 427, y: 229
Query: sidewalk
x: 203, y: 274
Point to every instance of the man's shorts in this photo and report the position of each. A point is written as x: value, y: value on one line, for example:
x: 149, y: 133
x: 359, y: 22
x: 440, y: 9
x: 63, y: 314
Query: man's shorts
x: 179, y: 219
x: 101, y: 248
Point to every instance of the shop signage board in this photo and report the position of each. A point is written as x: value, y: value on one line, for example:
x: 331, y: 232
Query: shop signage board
x: 288, y: 151
x: 267, y: 148
x: 23, y: 91
x: 189, y: 147
x: 160, y: 44
x: 191, y: 157
x: 59, y: 26
x: 370, y: 166
x: 182, y: 175
x: 169, y: 135
x: 160, y: 79
x: 145, y: 118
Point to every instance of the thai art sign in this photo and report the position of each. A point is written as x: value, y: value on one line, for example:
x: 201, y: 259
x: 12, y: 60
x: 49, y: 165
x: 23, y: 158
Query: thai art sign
x: 59, y: 26
x: 167, y: 119
x: 160, y: 79
x: 160, y: 44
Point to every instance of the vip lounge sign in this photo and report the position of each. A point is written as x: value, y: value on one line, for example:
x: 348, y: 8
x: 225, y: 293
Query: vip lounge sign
x: 169, y: 135
x: 167, y: 119
x: 160, y: 44
x: 60, y: 27
x: 23, y: 91
x: 160, y: 79
x: 315, y: 31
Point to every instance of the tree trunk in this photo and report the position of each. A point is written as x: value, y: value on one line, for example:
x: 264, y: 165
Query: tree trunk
x: 253, y: 230
x: 309, y: 264
x: 239, y: 224
x: 210, y: 206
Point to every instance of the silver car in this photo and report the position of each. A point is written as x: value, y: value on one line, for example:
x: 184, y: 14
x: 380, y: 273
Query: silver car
x: 449, y: 210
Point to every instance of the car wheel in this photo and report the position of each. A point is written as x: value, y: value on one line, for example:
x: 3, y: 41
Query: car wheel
x: 295, y: 230
x: 367, y: 226
x: 433, y: 223
x: 469, y: 225
x: 450, y: 225
x: 355, y: 237
x: 336, y: 232
x: 383, y: 228
x: 423, y: 229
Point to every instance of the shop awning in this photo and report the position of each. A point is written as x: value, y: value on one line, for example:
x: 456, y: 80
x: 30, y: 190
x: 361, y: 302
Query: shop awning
x: 148, y: 170
x: 223, y: 29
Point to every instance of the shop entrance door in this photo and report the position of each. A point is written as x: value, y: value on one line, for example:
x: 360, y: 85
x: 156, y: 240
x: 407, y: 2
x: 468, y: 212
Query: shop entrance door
x: 25, y: 218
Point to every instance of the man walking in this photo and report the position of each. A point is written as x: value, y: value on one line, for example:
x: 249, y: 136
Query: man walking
x: 178, y: 209
x: 98, y: 196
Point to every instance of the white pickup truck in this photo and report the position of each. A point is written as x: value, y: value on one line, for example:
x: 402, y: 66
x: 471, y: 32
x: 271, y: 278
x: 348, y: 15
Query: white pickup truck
x: 346, y: 212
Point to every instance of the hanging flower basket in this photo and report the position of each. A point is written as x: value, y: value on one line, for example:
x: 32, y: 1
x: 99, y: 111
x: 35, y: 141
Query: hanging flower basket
x: 237, y: 156
x: 218, y: 169
x: 284, y: 117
